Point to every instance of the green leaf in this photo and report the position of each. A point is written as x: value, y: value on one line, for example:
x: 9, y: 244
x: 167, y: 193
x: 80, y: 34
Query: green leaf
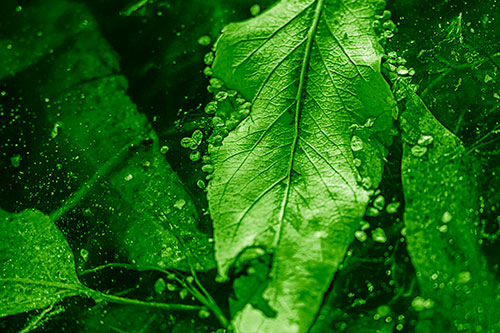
x: 441, y: 216
x: 32, y: 34
x: 287, y: 179
x: 96, y: 125
x: 32, y: 250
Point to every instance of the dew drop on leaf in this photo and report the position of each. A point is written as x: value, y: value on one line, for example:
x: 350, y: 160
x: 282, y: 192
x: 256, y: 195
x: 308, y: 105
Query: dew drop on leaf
x: 186, y: 142
x: 392, y: 207
x: 217, y: 122
x: 84, y: 253
x: 418, y: 151
x: 160, y: 286
x: 197, y: 136
x: 15, y: 161
x: 204, y: 313
x: 211, y: 107
x: 447, y: 217
x: 164, y: 150
x: 201, y: 184
x: 356, y: 143
x: 204, y: 40
x: 425, y: 140
x: 216, y: 83
x: 255, y: 10
x: 360, y: 236
x: 379, y: 202
x: 221, y: 96
x: 208, y: 168
x: 209, y: 58
x: 195, y: 156
x: 378, y: 235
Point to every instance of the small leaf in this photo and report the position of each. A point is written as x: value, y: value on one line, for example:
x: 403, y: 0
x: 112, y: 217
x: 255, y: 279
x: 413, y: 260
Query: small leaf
x: 37, y: 268
x: 285, y: 179
x: 441, y: 215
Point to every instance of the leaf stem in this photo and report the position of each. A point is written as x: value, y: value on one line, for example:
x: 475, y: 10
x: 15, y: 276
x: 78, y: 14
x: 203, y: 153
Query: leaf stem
x: 100, y: 296
x: 83, y: 191
x: 203, y: 297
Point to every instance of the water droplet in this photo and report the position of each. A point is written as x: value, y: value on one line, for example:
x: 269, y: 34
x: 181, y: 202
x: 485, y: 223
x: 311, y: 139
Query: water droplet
x: 255, y: 10
x: 418, y: 151
x: 208, y: 168
x: 356, y: 143
x: 392, y: 208
x: 379, y: 202
x: 84, y: 253
x: 211, y: 107
x: 179, y: 204
x: 164, y: 150
x: 244, y: 112
x: 216, y: 83
x: 208, y: 71
x: 464, y: 277
x: 204, y: 313
x: 206, y: 159
x: 221, y: 96
x: 160, y: 286
x: 383, y: 310
x: 378, y: 235
x: 447, y: 217
x: 15, y: 161
x: 186, y: 142
x: 201, y: 184
x: 195, y: 156
x: 232, y: 93
x: 204, y: 40
x: 425, y: 140
x: 217, y: 122
x: 443, y: 228
x: 360, y: 236
x: 367, y: 183
x: 216, y: 140
x: 208, y: 59
x: 364, y: 225
x: 419, y: 303
x: 55, y: 130
x: 402, y: 70
x: 197, y: 136
x: 372, y: 212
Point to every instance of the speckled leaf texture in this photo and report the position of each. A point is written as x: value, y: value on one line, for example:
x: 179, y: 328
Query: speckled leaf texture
x: 287, y: 180
x: 37, y: 268
x: 441, y: 215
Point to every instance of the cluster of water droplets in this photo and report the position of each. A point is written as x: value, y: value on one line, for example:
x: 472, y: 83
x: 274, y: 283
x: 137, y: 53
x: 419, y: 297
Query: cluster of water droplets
x: 225, y: 112
x: 384, y: 27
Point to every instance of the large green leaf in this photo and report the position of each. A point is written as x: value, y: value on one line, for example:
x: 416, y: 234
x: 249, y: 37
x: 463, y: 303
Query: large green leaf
x: 294, y: 178
x: 441, y: 216
x: 96, y: 124
x: 37, y: 268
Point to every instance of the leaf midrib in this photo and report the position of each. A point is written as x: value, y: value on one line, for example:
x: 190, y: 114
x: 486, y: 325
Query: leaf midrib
x: 298, y: 110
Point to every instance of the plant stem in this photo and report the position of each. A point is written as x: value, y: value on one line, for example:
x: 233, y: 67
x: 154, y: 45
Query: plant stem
x: 83, y: 191
x: 203, y: 297
x: 100, y: 296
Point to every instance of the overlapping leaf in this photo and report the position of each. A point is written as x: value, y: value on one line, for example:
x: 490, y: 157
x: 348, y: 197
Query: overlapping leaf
x: 294, y: 177
x: 441, y: 195
x: 37, y: 268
